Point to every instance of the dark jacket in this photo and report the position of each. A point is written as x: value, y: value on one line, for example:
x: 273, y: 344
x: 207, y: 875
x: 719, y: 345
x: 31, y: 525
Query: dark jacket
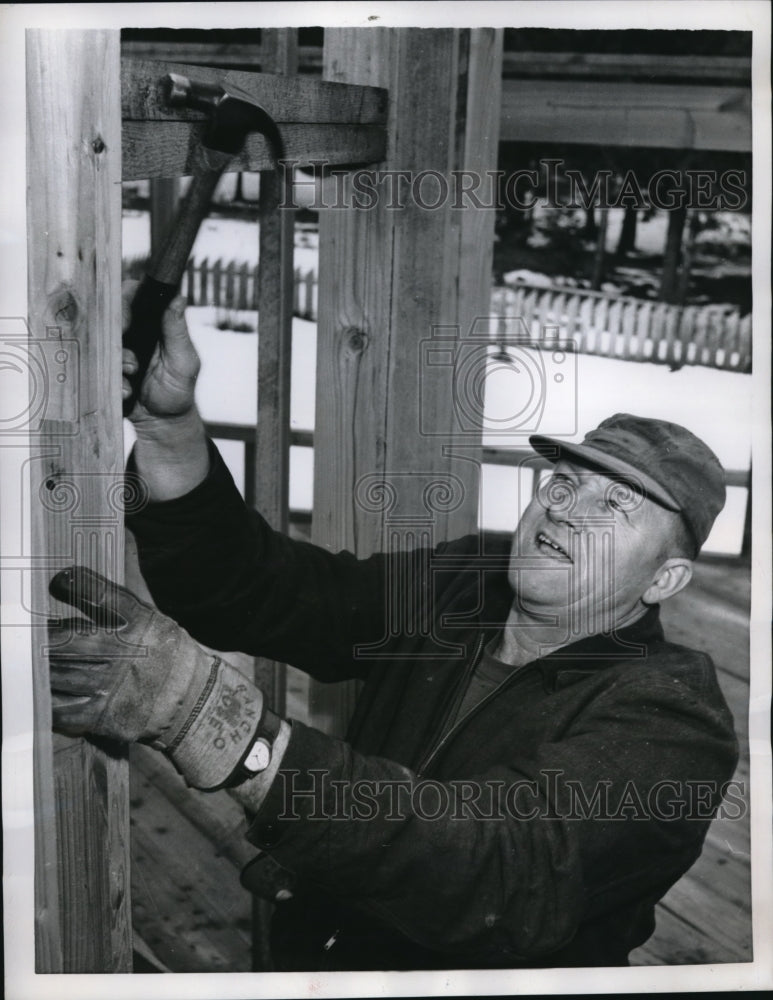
x: 598, y: 767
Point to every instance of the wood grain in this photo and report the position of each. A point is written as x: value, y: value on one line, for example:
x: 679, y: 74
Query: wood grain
x: 77, y: 495
x: 275, y: 315
x: 223, y: 54
x: 386, y: 278
x: 570, y: 64
x: 166, y: 149
x: 288, y: 98
x: 187, y: 903
x: 682, y: 116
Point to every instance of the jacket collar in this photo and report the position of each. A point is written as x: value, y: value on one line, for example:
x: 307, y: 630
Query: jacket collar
x: 591, y: 654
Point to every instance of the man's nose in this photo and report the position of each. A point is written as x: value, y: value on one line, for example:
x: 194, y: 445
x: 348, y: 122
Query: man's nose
x: 573, y: 512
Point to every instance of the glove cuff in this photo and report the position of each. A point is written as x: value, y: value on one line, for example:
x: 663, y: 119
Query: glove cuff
x: 220, y: 730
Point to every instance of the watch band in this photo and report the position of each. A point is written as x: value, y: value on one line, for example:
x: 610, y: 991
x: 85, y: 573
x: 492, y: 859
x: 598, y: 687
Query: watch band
x: 258, y: 755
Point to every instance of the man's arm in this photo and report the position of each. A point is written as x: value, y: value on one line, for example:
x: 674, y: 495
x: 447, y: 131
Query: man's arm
x: 506, y: 864
x: 507, y: 873
x: 217, y: 567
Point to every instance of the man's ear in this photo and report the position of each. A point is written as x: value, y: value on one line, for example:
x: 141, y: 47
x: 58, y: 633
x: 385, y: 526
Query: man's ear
x: 672, y: 576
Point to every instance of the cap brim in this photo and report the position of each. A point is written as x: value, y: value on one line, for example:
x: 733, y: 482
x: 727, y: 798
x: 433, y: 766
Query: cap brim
x: 554, y: 450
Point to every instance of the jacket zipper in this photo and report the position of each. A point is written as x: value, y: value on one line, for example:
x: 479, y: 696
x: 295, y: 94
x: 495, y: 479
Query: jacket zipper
x: 517, y: 672
x: 453, y: 707
x: 441, y: 740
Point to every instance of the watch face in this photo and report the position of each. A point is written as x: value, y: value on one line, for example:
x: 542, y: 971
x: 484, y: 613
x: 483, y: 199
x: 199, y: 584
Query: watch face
x: 259, y: 756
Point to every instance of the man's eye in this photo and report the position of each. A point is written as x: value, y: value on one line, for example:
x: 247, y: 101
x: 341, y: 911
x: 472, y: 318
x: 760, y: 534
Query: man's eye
x: 622, y: 498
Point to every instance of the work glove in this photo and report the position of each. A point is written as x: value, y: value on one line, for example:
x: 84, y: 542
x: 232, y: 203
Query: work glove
x: 132, y: 674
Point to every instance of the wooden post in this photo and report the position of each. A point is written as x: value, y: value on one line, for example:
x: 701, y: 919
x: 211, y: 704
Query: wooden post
x: 688, y: 252
x: 275, y: 308
x: 272, y: 445
x: 627, y: 240
x: 672, y: 254
x: 387, y: 278
x: 77, y: 493
x: 600, y: 256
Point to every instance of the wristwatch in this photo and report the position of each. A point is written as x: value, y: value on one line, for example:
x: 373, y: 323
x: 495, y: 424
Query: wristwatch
x: 258, y: 755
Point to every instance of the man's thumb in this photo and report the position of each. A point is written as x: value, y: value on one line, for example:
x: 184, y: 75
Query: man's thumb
x: 175, y: 328
x: 102, y: 600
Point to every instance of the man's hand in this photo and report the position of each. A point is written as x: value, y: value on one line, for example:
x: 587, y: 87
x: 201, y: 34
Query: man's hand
x: 168, y: 387
x: 171, y: 452
x: 132, y: 674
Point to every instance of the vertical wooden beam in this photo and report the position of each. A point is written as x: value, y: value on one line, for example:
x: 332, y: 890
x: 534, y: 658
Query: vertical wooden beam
x: 600, y: 255
x: 388, y: 277
x: 77, y: 494
x: 271, y: 453
x: 672, y: 254
x: 627, y: 240
x: 275, y: 318
x: 688, y: 252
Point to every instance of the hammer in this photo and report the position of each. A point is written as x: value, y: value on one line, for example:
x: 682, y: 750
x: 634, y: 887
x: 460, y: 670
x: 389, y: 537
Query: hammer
x: 231, y: 115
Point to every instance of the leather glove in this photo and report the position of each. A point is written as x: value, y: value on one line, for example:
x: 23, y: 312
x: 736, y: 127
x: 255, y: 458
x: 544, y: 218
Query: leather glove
x: 138, y: 676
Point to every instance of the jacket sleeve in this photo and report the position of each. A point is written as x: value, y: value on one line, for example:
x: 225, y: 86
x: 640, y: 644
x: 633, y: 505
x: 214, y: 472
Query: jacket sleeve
x: 512, y: 873
x: 218, y: 569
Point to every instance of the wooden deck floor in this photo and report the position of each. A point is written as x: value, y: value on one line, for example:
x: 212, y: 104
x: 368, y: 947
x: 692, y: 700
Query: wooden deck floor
x: 188, y: 848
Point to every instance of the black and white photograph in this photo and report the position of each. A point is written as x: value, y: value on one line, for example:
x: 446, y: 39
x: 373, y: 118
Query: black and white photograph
x: 385, y: 479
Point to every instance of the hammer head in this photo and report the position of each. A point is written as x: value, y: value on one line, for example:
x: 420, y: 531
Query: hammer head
x: 232, y: 113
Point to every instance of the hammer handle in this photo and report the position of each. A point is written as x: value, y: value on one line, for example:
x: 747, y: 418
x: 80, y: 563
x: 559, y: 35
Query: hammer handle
x: 160, y: 285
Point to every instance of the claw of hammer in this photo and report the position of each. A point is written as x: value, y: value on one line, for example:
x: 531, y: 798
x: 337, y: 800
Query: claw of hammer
x: 232, y: 113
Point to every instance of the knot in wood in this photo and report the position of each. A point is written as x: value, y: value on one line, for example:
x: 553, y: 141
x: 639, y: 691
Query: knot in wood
x: 63, y: 307
x: 356, y: 341
x: 98, y: 145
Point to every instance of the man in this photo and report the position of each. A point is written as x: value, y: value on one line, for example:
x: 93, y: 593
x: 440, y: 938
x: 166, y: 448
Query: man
x: 516, y: 787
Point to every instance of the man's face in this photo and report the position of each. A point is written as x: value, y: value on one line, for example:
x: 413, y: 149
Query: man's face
x: 585, y: 551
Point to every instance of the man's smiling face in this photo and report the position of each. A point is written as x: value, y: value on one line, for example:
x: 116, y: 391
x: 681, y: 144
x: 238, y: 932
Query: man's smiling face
x: 587, y: 551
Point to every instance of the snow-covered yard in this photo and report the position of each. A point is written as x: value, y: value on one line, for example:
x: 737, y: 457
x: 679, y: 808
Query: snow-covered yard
x: 715, y: 404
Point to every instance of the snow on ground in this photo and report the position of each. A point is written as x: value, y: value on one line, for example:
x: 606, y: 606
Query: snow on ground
x: 522, y: 397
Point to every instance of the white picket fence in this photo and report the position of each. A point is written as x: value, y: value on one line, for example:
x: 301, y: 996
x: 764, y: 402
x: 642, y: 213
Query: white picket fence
x: 623, y: 327
x: 235, y: 286
x: 620, y: 326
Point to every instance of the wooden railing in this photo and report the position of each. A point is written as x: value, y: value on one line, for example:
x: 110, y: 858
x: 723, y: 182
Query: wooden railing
x: 623, y: 327
x: 490, y: 456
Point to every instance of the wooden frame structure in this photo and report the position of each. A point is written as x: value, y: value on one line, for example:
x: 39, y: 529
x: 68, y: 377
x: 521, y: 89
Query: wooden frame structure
x: 386, y: 282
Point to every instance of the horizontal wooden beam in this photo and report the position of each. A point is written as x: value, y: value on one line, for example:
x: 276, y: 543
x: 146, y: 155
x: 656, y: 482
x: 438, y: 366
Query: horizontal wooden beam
x: 630, y: 65
x: 296, y: 99
x: 166, y: 149
x: 673, y: 116
x: 230, y: 54
x: 337, y: 123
